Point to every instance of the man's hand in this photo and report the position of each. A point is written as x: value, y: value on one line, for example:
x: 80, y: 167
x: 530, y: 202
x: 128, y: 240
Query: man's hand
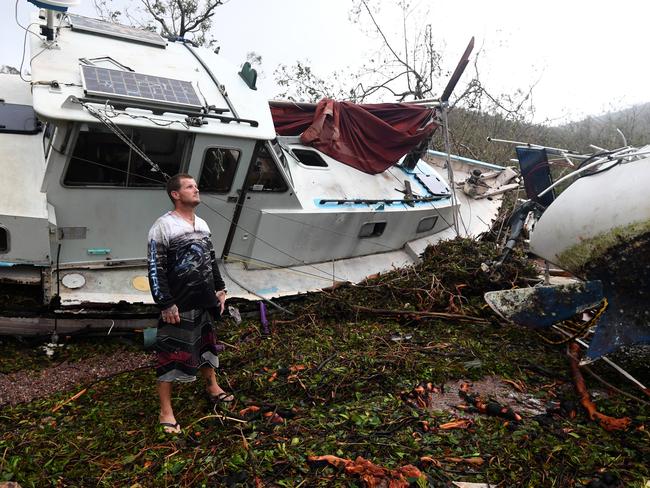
x: 221, y: 296
x: 171, y: 316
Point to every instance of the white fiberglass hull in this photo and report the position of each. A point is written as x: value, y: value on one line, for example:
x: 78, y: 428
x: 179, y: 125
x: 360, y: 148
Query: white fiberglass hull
x: 593, y: 215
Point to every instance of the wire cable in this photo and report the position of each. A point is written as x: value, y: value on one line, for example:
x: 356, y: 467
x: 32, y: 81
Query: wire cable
x: 299, y: 261
x: 270, y: 302
x: 273, y: 266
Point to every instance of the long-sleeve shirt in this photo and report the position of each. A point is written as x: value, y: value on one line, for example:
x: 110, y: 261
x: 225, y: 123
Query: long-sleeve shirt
x: 182, y: 264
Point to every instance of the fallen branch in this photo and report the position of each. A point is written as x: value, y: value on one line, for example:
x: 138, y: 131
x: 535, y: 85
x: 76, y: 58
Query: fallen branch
x: 415, y: 315
x: 71, y: 399
x: 457, y: 424
x: 371, y: 474
x: 489, y: 408
x: 217, y: 416
x: 608, y: 423
x: 613, y: 388
x: 472, y: 461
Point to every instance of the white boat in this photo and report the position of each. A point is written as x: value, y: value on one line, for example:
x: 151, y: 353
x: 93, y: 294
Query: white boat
x: 111, y: 109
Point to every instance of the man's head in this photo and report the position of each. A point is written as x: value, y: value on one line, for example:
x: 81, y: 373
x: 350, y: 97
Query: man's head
x: 183, y: 191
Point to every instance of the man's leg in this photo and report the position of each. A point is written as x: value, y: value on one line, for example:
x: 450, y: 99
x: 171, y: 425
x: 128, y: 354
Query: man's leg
x: 166, y: 412
x: 211, y: 385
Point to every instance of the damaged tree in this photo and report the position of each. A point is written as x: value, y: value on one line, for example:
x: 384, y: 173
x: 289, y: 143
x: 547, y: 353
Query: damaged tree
x: 187, y: 19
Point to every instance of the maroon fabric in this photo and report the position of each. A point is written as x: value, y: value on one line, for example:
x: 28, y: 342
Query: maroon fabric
x: 369, y: 137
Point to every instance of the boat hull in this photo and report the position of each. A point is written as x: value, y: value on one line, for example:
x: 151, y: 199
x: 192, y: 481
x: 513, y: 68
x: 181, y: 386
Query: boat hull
x: 594, y: 215
x: 599, y: 229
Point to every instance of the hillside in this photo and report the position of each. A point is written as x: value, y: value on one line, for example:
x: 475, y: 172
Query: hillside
x: 470, y: 129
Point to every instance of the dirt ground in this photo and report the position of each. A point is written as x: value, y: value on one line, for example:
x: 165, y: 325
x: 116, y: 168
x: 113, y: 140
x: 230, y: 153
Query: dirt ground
x: 28, y: 385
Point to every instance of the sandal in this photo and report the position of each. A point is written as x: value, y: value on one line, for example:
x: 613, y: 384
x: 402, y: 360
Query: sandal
x: 222, y: 397
x: 170, y: 428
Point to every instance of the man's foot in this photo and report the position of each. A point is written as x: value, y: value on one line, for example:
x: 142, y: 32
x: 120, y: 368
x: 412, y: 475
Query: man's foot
x: 217, y: 395
x: 169, y: 424
x: 222, y: 397
x: 171, y: 428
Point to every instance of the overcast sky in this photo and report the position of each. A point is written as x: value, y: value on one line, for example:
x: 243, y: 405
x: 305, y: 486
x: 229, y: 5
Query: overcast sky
x: 587, y: 57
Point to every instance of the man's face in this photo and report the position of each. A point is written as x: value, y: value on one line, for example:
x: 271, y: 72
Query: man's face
x: 188, y: 194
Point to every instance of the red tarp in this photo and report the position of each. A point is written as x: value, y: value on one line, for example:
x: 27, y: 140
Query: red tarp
x: 369, y: 137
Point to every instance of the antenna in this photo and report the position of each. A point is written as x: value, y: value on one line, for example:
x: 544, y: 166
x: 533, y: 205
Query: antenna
x: 52, y: 6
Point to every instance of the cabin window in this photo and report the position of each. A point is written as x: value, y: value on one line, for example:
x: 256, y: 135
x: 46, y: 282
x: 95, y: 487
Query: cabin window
x: 4, y: 240
x: 427, y: 223
x: 372, y: 229
x: 264, y: 175
x: 310, y: 158
x: 18, y: 119
x: 100, y: 158
x: 218, y: 170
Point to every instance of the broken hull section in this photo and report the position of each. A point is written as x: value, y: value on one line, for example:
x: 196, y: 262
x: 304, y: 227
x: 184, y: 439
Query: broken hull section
x: 541, y: 307
x: 598, y: 229
x: 624, y: 271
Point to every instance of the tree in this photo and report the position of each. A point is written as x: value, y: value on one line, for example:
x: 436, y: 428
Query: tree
x: 300, y: 83
x: 188, y: 19
x: 406, y: 64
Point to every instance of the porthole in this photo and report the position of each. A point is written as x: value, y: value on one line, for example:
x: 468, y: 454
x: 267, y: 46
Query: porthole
x: 426, y: 224
x: 4, y: 240
x: 310, y: 158
x: 372, y: 229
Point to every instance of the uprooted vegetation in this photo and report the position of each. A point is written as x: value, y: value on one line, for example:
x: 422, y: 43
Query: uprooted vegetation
x: 359, y: 383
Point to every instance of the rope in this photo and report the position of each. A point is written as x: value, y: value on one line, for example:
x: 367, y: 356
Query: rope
x: 581, y: 330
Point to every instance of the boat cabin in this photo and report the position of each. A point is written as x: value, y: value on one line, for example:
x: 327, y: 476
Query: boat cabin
x: 118, y: 110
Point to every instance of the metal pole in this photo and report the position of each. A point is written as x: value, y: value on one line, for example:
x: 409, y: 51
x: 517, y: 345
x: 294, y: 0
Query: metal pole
x: 450, y: 172
x: 604, y: 358
x: 557, y: 151
x: 50, y: 25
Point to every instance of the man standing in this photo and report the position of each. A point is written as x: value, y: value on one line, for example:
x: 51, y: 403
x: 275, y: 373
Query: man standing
x: 186, y: 285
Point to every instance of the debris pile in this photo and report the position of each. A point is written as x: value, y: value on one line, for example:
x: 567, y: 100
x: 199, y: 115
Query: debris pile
x: 362, y: 378
x: 448, y: 283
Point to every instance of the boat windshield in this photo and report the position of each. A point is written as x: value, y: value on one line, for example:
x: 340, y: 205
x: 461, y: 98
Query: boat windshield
x: 276, y: 150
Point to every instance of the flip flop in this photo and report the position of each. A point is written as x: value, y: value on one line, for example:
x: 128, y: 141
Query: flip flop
x: 170, y: 428
x: 222, y: 397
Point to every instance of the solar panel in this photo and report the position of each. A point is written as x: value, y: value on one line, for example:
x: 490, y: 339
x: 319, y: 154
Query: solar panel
x: 86, y: 24
x: 116, y: 84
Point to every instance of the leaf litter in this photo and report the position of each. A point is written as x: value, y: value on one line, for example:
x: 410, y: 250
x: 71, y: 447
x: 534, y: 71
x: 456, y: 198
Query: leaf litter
x: 408, y: 372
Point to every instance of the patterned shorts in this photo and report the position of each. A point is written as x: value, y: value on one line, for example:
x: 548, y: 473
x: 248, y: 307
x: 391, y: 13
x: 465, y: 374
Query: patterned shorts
x: 184, y: 348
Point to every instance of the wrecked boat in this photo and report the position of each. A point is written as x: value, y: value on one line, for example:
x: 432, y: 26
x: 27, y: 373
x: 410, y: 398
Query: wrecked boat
x: 598, y: 229
x: 111, y: 111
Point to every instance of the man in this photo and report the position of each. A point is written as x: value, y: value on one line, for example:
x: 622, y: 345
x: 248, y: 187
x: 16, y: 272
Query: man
x: 186, y: 285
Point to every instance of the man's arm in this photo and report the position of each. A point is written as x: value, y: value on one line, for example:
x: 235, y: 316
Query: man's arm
x: 219, y: 285
x: 158, y: 283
